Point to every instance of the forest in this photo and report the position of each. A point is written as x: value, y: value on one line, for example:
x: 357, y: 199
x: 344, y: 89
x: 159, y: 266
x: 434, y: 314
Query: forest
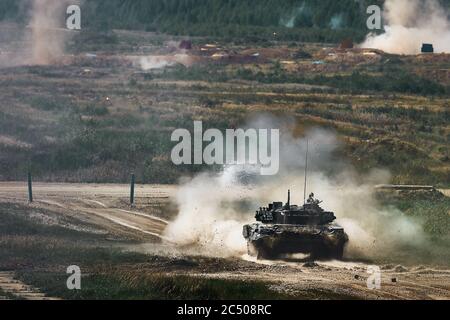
x: 305, y: 20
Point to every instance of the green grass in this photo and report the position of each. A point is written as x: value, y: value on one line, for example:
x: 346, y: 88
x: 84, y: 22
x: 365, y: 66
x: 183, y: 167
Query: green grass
x: 357, y: 82
x: 75, y: 135
x: 433, y: 210
x: 150, y: 286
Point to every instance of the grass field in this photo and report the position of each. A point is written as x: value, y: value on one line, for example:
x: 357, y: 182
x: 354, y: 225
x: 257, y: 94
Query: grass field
x: 98, y: 119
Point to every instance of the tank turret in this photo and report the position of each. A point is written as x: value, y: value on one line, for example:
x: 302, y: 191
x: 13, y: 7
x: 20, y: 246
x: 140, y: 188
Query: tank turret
x: 308, y: 214
x: 284, y: 229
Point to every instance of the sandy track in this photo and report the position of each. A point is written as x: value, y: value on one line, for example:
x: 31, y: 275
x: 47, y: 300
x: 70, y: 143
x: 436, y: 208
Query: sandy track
x: 445, y: 191
x: 79, y: 190
x: 340, y: 279
x: 101, y: 204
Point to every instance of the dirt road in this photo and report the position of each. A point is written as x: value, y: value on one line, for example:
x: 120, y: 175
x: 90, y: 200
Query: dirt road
x: 106, y: 206
x: 347, y: 280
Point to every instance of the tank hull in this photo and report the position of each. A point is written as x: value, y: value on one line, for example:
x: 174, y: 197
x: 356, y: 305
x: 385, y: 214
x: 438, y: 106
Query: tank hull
x: 270, y: 241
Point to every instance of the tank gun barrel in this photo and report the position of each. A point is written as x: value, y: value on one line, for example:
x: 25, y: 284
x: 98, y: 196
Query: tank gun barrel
x: 289, y: 198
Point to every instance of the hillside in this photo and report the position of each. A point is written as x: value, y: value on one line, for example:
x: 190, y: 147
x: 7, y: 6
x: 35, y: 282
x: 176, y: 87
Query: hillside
x: 94, y: 113
x: 98, y: 118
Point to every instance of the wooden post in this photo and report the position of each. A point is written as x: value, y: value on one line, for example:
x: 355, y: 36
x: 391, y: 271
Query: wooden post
x: 30, y: 188
x: 132, y: 190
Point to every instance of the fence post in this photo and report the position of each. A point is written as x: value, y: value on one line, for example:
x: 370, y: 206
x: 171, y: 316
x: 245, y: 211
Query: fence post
x: 132, y: 190
x: 30, y: 188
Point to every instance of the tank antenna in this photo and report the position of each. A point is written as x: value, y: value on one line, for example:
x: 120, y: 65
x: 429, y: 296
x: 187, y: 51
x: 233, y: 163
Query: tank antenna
x: 306, y: 171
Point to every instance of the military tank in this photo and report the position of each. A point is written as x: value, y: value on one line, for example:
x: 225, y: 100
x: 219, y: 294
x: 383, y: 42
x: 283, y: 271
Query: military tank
x: 287, y: 229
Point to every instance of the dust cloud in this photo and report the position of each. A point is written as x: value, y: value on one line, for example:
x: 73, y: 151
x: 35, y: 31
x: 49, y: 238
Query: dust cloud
x: 289, y: 21
x: 408, y: 24
x: 47, y: 43
x: 207, y: 218
x: 162, y: 61
x: 213, y: 207
x: 41, y: 40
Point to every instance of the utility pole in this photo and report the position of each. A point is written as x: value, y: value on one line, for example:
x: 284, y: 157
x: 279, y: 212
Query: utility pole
x: 30, y: 188
x: 132, y: 190
x: 306, y: 172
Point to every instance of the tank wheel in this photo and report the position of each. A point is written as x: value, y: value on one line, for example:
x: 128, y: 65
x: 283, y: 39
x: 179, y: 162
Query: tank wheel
x: 338, y: 252
x: 261, y: 252
x: 265, y: 254
x: 323, y: 252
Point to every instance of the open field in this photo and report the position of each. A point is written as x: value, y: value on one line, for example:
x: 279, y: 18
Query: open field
x: 105, y: 107
x: 123, y: 255
x: 100, y: 113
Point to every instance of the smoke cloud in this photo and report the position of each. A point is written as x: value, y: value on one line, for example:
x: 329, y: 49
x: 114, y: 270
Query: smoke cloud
x: 47, y: 42
x: 337, y: 21
x: 160, y: 62
x: 408, y: 24
x: 42, y: 41
x: 299, y: 15
x: 214, y: 207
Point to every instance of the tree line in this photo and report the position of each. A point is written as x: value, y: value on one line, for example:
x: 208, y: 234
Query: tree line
x: 291, y: 19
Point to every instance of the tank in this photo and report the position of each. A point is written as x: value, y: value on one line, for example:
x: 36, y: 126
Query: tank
x: 288, y: 229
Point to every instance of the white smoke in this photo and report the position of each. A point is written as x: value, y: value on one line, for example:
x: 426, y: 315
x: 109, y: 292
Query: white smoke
x: 213, y: 208
x: 47, y: 42
x: 206, y: 218
x: 42, y: 41
x: 408, y: 24
x: 289, y: 20
x: 337, y: 21
x: 160, y: 62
